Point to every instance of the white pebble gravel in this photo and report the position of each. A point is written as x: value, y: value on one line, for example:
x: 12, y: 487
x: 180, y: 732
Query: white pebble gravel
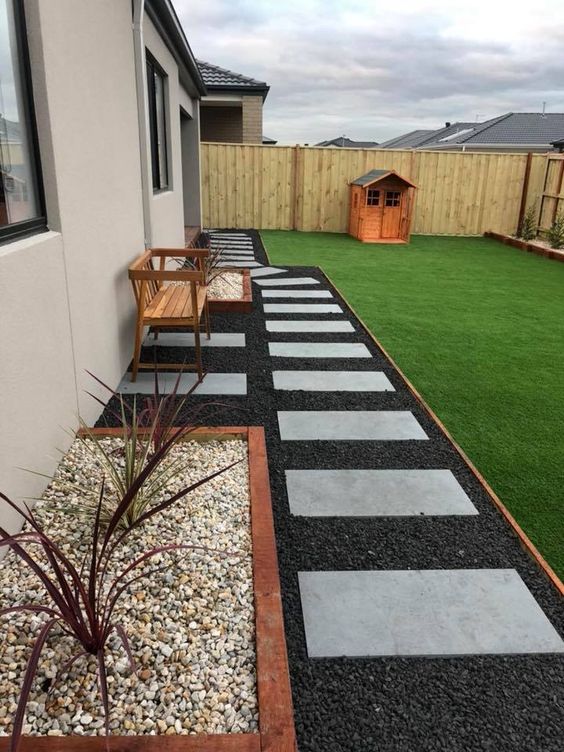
x: 191, y: 627
x: 228, y: 286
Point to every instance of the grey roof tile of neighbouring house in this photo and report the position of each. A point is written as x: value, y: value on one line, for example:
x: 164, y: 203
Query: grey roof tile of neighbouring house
x: 216, y: 78
x: 513, y: 128
x: 345, y: 142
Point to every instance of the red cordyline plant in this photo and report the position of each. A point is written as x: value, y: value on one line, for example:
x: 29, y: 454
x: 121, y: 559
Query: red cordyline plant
x: 84, y: 598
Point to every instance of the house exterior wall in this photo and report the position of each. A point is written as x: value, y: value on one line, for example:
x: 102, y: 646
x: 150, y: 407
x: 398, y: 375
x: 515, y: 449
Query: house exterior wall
x: 66, y: 303
x: 222, y: 124
x: 252, y: 120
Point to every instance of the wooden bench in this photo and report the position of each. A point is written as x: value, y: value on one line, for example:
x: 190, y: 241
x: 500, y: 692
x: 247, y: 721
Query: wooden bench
x: 169, y: 298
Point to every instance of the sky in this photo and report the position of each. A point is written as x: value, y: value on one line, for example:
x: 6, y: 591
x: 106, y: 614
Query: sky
x: 373, y: 69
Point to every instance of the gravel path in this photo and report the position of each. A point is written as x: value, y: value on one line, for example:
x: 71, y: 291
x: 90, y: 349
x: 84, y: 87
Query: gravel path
x: 191, y: 627
x: 507, y: 703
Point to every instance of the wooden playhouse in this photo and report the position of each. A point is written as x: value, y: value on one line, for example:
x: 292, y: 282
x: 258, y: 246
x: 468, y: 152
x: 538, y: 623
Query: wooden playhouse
x: 380, y: 207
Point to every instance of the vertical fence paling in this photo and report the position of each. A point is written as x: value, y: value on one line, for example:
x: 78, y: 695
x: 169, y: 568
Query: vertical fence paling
x: 307, y: 188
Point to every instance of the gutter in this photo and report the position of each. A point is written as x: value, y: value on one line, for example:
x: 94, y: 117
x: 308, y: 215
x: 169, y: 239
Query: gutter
x: 139, y: 61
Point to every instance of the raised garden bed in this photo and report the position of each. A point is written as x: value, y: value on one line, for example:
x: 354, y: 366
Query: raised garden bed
x: 246, y: 509
x: 531, y: 246
x: 242, y: 304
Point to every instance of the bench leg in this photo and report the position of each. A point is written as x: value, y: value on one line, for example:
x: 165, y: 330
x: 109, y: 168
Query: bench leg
x: 137, y: 350
x: 207, y: 318
x: 198, y: 351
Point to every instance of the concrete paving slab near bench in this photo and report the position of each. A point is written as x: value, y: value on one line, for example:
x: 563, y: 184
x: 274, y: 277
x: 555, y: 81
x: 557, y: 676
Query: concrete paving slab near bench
x: 296, y: 293
x: 318, y: 350
x: 302, y: 308
x: 376, y: 493
x: 309, y: 326
x: 268, y: 271
x: 332, y: 381
x: 186, y: 339
x: 287, y: 281
x: 213, y: 383
x: 246, y: 264
x: 349, y: 425
x: 226, y: 257
x: 441, y: 612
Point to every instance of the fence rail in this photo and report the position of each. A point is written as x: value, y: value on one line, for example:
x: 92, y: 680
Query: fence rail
x: 307, y: 188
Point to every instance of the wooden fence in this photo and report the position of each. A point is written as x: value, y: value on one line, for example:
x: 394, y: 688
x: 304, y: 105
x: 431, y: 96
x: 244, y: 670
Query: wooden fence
x: 306, y: 188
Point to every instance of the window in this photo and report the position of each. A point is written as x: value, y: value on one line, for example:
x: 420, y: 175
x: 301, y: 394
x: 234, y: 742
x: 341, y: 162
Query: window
x: 393, y: 198
x: 21, y: 195
x: 372, y: 197
x: 156, y: 85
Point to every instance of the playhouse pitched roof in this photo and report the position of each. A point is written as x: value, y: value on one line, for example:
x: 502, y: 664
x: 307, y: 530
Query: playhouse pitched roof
x: 374, y: 176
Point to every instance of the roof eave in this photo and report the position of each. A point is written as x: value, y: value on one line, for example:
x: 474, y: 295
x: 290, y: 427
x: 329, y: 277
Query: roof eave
x: 240, y: 88
x: 163, y: 15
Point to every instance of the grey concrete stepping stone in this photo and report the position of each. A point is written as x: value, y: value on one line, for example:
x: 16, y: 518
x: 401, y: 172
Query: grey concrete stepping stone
x: 376, y: 493
x: 318, y: 350
x: 237, y: 264
x: 296, y: 293
x: 186, y: 339
x: 268, y: 271
x: 236, y: 252
x: 226, y: 248
x: 309, y: 326
x: 424, y: 613
x: 349, y: 425
x: 332, y: 381
x: 287, y: 281
x: 302, y: 308
x: 213, y: 383
x: 225, y: 257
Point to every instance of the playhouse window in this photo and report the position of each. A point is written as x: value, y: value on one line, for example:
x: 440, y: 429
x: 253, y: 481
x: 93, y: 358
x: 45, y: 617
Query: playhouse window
x: 392, y: 198
x: 372, y: 197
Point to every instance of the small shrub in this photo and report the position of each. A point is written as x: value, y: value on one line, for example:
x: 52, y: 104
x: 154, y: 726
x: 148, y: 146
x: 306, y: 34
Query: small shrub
x: 81, y: 599
x: 555, y: 235
x: 528, y: 227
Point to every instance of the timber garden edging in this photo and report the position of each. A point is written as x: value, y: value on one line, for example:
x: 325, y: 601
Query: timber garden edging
x: 276, y: 718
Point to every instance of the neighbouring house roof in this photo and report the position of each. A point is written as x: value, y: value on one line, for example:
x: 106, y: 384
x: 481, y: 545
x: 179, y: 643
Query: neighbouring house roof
x: 518, y: 129
x: 163, y: 15
x: 222, y: 79
x: 408, y: 140
x: 348, y: 143
x: 558, y: 144
x: 270, y: 141
x: 374, y: 176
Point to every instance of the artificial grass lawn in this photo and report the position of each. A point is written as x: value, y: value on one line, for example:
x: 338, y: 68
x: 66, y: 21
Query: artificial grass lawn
x: 479, y: 329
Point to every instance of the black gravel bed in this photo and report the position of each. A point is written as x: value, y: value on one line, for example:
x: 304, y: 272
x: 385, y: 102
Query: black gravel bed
x: 501, y: 703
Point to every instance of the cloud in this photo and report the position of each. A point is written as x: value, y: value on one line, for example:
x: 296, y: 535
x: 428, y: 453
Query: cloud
x: 371, y: 71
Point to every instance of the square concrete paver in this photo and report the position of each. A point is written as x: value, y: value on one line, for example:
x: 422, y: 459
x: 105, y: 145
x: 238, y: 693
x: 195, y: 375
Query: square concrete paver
x: 438, y: 612
x: 309, y: 326
x: 287, y: 281
x: 349, y: 425
x: 332, y: 381
x: 186, y: 339
x: 213, y: 383
x: 296, y: 294
x: 268, y: 271
x: 318, y: 350
x: 302, y: 308
x: 376, y: 493
x: 247, y: 264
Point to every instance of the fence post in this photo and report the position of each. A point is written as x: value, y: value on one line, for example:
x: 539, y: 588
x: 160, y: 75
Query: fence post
x: 295, y: 186
x: 525, y: 191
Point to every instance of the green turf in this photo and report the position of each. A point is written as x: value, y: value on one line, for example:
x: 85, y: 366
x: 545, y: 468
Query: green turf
x: 479, y: 329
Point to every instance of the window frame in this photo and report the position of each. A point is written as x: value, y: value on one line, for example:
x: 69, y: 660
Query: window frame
x: 373, y: 197
x: 151, y: 65
x: 395, y: 196
x: 36, y: 224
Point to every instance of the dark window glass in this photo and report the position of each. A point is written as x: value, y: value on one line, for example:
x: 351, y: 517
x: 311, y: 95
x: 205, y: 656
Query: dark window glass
x: 372, y: 197
x: 156, y: 89
x: 21, y: 199
x: 392, y: 198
